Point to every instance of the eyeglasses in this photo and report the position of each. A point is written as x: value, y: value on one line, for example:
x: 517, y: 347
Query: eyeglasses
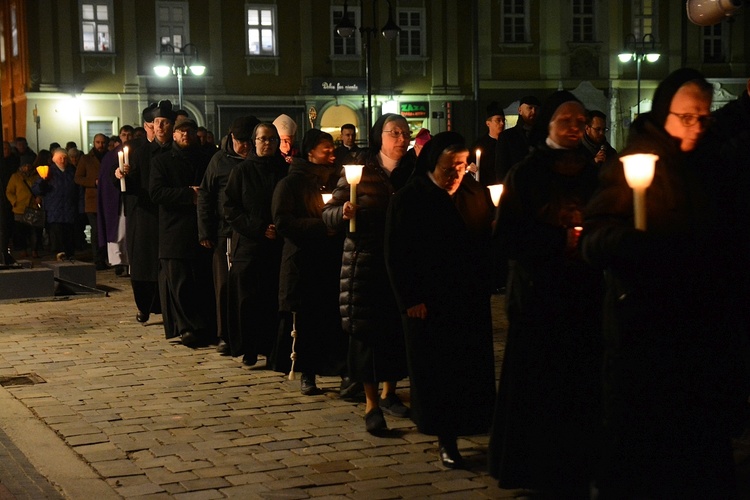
x: 599, y: 130
x: 397, y: 134
x: 266, y: 140
x: 690, y: 119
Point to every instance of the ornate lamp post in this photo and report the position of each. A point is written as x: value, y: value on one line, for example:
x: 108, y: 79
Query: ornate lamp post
x: 184, y: 60
x: 636, y: 50
x: 390, y: 31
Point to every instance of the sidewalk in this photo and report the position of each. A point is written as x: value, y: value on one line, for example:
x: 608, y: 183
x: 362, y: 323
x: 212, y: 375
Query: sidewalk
x: 122, y: 412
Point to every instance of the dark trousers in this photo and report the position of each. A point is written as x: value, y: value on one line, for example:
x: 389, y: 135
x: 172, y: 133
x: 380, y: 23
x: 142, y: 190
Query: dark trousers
x: 183, y: 290
x: 98, y: 252
x: 146, y: 295
x: 61, y: 238
x: 221, y: 272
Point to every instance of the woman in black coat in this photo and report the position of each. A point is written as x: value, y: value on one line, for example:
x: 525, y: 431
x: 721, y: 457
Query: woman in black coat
x: 253, y: 282
x: 547, y: 415
x: 438, y: 255
x: 673, y: 349
x: 368, y: 308
x: 310, y: 267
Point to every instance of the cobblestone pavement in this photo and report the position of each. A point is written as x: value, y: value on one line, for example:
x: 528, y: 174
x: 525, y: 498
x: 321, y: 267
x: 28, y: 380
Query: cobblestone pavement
x: 154, y: 419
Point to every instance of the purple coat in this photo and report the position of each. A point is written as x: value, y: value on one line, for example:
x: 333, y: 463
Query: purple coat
x: 108, y: 196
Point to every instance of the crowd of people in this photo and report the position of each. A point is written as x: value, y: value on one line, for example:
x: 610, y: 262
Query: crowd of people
x: 626, y: 365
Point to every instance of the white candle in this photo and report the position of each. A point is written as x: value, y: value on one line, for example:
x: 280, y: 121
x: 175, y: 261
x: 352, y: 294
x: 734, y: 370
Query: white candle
x: 126, y: 160
x: 353, y: 176
x: 496, y: 190
x: 639, y: 172
x: 478, y: 155
x: 120, y: 159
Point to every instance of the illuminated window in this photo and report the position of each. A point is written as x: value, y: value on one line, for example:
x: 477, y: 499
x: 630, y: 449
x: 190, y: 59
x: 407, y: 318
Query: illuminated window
x: 261, y: 30
x: 96, y: 26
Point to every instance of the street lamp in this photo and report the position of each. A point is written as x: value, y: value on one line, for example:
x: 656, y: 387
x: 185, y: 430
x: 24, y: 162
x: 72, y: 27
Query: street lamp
x: 184, y: 60
x: 637, y: 50
x: 345, y: 28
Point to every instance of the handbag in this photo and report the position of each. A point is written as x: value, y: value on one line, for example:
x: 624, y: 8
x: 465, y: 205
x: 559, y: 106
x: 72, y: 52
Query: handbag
x: 33, y: 215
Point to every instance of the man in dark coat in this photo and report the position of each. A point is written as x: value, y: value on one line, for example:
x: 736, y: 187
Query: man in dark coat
x: 595, y: 137
x: 184, y: 265
x: 513, y: 144
x: 487, y: 146
x: 348, y: 145
x: 437, y: 248
x: 141, y: 214
x: 213, y: 229
x: 87, y: 175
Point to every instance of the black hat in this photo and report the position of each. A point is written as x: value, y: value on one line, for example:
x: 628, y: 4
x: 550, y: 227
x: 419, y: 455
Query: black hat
x: 312, y: 138
x: 494, y: 109
x: 163, y: 110
x: 530, y: 100
x: 147, y: 113
x: 242, y: 127
x: 186, y: 123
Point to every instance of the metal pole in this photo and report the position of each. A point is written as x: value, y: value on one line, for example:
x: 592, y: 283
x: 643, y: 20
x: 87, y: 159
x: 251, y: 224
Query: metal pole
x: 368, y: 77
x: 638, y: 59
x: 179, y: 87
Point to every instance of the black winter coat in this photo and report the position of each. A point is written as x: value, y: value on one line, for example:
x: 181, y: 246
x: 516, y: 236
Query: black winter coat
x: 172, y: 174
x: 367, y: 303
x: 212, y: 195
x: 247, y: 209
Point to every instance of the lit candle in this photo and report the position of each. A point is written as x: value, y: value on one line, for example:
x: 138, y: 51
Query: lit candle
x: 353, y: 176
x: 478, y: 155
x: 496, y: 190
x: 43, y: 171
x: 326, y: 197
x: 639, y: 172
x: 121, y: 160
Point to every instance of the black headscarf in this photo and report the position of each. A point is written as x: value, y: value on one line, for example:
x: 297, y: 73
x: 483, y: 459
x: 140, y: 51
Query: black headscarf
x: 312, y: 138
x: 668, y: 88
x: 428, y: 158
x: 540, y: 130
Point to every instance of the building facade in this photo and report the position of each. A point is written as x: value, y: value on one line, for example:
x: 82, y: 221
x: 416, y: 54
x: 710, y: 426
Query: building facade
x: 73, y: 68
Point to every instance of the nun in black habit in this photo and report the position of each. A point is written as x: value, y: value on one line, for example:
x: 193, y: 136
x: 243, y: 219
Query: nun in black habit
x: 437, y: 247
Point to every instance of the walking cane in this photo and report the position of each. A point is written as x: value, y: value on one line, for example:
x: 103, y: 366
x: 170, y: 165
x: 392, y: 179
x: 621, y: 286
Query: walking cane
x: 293, y: 356
x: 229, y: 252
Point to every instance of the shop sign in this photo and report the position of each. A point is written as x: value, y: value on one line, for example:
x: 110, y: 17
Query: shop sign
x: 338, y: 86
x: 415, y: 109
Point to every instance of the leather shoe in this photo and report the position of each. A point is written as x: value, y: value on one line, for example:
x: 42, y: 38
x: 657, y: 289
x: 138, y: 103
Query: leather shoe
x: 223, y: 348
x: 349, y: 389
x: 189, y: 339
x: 375, y: 422
x: 393, y: 406
x: 141, y: 317
x: 307, y: 385
x: 451, y: 459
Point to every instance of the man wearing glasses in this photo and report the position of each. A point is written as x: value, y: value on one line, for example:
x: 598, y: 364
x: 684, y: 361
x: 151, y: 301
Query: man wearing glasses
x: 595, y: 137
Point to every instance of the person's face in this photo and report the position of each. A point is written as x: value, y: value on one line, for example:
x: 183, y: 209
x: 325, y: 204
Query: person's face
x: 348, y: 136
x: 202, y: 137
x: 285, y: 145
x: 495, y: 125
x: 241, y: 146
x: 395, y: 138
x: 73, y: 159
x: 688, y: 100
x: 60, y: 159
x: 450, y: 170
x: 184, y: 137
x: 567, y: 124
x: 527, y: 112
x: 21, y: 146
x: 596, y: 130
x: 162, y: 129
x: 125, y: 136
x: 100, y: 143
x: 322, y: 154
x: 266, y: 142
